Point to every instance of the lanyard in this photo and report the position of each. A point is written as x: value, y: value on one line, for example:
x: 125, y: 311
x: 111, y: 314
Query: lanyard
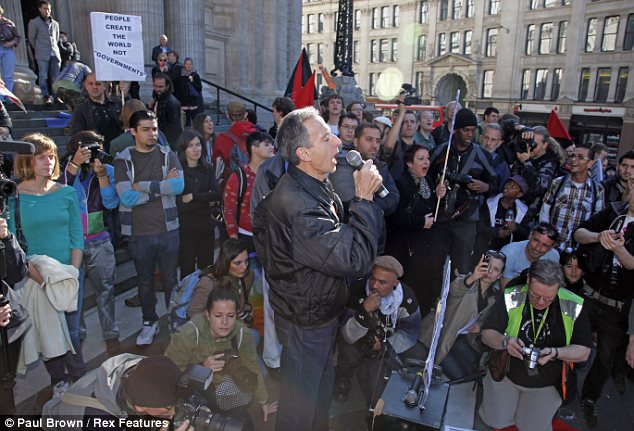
x: 541, y: 324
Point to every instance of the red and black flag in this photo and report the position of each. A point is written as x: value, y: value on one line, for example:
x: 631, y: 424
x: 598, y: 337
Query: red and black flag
x: 557, y: 130
x: 301, y: 86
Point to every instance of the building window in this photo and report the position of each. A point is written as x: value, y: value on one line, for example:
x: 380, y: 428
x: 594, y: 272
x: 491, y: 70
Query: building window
x: 385, y: 16
x: 442, y: 44
x: 383, y: 56
x: 554, y: 92
x: 541, y: 77
x: 310, y: 48
x: 372, y: 84
x: 455, y: 42
x: 591, y: 34
x: 467, y: 42
x: 320, y: 23
x: 303, y: 23
x: 492, y: 37
x: 628, y: 41
x: 375, y: 18
x: 456, y: 9
x: 545, y: 37
x: 561, y: 38
x: 357, y: 18
x: 534, y: 4
x: 621, y: 83
x: 419, y: 84
x: 603, y: 84
x: 444, y: 9
x: 422, y: 12
x: 610, y: 29
x: 374, y: 50
x: 336, y: 20
x: 494, y: 7
x: 565, y: 2
x: 526, y: 84
x: 311, y: 23
x: 320, y: 53
x: 421, y: 48
x: 394, y: 55
x: 469, y: 10
x: 583, y: 84
x: 550, y: 3
x: 355, y: 51
x: 530, y: 39
x: 487, y: 83
x: 396, y: 10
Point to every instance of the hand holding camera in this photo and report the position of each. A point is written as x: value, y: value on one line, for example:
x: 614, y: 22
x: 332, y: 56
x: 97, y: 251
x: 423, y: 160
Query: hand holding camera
x: 215, y: 362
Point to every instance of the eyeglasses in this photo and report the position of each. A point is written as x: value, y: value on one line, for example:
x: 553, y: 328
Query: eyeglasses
x: 162, y: 60
x: 548, y: 230
x: 580, y: 157
x: 546, y: 299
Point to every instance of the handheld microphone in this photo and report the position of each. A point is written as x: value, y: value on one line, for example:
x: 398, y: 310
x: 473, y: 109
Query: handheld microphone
x: 411, y: 396
x: 354, y: 159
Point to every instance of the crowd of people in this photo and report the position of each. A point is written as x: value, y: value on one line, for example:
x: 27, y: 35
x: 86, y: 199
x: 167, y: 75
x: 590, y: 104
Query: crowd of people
x: 335, y: 228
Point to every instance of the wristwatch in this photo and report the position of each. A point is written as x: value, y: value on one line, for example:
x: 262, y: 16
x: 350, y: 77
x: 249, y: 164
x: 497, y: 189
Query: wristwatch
x: 505, y: 342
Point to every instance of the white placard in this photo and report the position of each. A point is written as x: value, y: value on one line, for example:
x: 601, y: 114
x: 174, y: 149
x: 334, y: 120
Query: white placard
x: 117, y: 42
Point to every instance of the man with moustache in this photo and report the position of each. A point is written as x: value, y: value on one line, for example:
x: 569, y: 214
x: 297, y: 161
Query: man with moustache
x: 148, y: 177
x: 308, y: 253
x: 167, y: 108
x: 490, y: 140
x: 617, y: 187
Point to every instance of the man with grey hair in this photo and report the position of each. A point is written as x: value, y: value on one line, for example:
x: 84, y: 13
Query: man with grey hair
x: 308, y: 254
x: 423, y: 134
x: 442, y: 132
x: 490, y: 140
x: 544, y: 328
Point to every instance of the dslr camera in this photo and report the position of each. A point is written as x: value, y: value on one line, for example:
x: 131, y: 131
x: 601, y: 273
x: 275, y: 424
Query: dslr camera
x: 531, y: 354
x: 97, y: 153
x: 513, y: 137
x: 192, y: 406
x: 458, y: 178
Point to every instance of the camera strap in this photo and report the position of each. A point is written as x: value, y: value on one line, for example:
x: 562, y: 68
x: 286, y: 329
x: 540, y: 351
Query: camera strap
x: 84, y: 401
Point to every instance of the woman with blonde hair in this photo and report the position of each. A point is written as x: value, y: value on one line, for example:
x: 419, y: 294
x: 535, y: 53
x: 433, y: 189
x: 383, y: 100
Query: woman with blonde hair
x: 52, y: 227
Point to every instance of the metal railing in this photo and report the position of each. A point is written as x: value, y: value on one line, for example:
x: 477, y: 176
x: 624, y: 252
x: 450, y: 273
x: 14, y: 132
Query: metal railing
x: 220, y: 88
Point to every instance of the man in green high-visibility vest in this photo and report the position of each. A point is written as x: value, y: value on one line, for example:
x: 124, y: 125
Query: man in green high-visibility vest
x: 545, y: 329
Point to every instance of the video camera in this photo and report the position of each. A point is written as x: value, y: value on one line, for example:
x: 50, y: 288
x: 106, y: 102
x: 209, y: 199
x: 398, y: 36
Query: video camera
x: 410, y: 91
x: 192, y: 406
x: 513, y: 137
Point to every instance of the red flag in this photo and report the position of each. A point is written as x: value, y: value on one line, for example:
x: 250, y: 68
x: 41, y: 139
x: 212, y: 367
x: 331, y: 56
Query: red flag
x: 557, y: 130
x: 301, y: 78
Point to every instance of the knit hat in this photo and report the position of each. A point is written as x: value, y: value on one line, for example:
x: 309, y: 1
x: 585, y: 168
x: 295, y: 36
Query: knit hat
x: 520, y: 181
x: 465, y: 118
x: 389, y: 263
x: 154, y: 382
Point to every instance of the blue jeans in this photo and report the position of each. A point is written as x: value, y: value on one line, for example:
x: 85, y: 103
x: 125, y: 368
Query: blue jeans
x: 307, y: 374
x: 47, y: 69
x: 148, y: 251
x: 7, y: 59
x: 99, y: 267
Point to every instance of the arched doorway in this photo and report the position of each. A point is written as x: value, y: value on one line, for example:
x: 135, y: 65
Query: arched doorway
x: 447, y: 87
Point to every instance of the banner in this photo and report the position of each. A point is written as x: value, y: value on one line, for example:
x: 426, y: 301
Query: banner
x: 117, y: 42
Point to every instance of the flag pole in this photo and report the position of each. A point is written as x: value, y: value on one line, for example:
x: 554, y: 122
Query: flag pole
x: 444, y: 169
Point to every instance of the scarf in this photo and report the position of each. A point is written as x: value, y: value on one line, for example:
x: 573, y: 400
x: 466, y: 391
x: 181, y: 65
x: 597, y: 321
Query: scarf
x: 423, y: 186
x: 389, y: 304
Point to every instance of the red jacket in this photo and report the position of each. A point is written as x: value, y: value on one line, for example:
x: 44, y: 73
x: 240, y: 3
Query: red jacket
x: 224, y: 144
x: 231, y: 202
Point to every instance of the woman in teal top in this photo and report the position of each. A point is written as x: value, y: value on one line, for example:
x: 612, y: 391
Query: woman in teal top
x: 49, y: 214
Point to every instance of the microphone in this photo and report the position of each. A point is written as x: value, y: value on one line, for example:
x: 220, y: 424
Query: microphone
x: 411, y: 396
x: 354, y: 159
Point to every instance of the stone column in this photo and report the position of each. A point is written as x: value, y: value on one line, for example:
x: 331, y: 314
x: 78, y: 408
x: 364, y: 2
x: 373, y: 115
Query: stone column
x: 185, y: 29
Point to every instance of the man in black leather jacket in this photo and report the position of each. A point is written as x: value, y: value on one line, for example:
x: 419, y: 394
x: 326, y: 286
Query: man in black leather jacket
x: 307, y: 253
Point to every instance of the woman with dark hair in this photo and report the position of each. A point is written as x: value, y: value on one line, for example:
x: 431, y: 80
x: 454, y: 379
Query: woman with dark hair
x: 569, y: 261
x: 204, y: 125
x: 218, y: 341
x: 233, y: 261
x: 188, y: 89
x: 409, y: 227
x: 194, y: 205
x: 93, y: 181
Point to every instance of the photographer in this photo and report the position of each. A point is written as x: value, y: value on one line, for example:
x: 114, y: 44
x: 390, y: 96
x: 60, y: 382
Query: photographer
x: 86, y: 169
x: 545, y: 329
x: 126, y: 391
x: 539, y: 165
x: 382, y: 323
x: 218, y: 341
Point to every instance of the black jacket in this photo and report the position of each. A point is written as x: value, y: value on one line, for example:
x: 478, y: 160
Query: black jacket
x: 101, y: 118
x: 539, y: 174
x: 612, y: 189
x: 184, y: 93
x: 308, y: 252
x: 168, y: 114
x: 201, y: 183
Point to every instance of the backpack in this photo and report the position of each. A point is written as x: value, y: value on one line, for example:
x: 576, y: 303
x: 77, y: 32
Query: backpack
x: 236, y: 156
x: 560, y: 186
x: 179, y: 301
x: 242, y: 189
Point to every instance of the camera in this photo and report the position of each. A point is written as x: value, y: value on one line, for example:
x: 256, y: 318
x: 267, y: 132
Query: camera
x: 531, y: 354
x: 410, y: 98
x: 513, y: 137
x: 97, y: 153
x: 246, y: 314
x: 457, y: 178
x: 191, y: 405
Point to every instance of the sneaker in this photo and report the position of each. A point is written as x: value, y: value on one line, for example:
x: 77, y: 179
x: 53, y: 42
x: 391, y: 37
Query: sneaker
x: 342, y: 390
x: 60, y: 389
x: 147, y: 334
x: 48, y: 100
x: 589, y: 408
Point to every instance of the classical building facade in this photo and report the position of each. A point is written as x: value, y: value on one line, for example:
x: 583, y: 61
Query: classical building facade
x: 524, y: 56
x: 247, y: 46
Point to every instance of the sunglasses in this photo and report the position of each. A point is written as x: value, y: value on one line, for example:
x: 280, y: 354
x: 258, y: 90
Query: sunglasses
x: 549, y: 231
x: 495, y: 254
x: 162, y: 60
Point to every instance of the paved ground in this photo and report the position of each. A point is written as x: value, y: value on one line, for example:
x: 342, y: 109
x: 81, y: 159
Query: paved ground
x: 616, y: 411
